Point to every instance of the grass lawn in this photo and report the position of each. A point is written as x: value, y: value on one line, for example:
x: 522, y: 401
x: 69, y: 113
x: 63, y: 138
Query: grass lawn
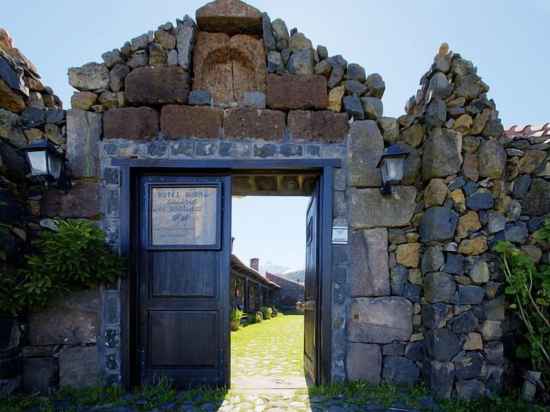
x: 272, y: 348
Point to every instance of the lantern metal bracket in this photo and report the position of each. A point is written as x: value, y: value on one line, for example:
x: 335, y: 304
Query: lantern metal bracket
x: 385, y: 189
x: 63, y: 180
x: 394, y: 152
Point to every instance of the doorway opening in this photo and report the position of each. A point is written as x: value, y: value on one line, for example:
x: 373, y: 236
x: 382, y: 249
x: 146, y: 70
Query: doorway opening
x: 176, y: 298
x: 267, y: 290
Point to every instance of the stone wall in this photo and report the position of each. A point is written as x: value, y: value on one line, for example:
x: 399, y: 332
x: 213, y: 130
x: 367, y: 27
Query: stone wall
x: 290, y: 292
x: 40, y: 350
x: 29, y: 111
x: 474, y: 186
x: 417, y: 293
x: 60, y: 347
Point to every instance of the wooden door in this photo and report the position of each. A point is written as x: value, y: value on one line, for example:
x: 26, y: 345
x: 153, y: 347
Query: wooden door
x: 311, y: 301
x: 183, y: 280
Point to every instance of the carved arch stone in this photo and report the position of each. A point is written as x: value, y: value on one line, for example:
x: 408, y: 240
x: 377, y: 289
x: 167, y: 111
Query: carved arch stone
x: 228, y: 67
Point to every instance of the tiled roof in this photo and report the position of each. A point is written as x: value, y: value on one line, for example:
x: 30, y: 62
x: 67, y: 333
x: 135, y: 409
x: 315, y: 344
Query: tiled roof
x: 528, y: 131
x: 239, y: 266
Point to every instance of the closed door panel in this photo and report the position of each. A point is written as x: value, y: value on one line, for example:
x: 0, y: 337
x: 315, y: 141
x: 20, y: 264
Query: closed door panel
x: 183, y: 278
x: 192, y: 342
x: 184, y: 274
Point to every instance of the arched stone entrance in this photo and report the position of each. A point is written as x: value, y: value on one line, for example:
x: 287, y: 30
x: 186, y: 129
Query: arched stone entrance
x: 415, y: 287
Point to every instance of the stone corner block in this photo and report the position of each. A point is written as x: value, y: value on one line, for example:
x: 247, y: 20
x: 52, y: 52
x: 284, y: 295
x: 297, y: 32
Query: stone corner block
x: 72, y: 320
x: 253, y: 123
x: 442, y: 154
x: 364, y: 362
x: 157, y: 85
x: 492, y: 159
x: 229, y: 16
x: 40, y: 375
x: 438, y: 224
x: 179, y: 121
x: 297, y: 92
x: 82, y: 201
x: 91, y: 76
x: 366, y: 149
x: 136, y: 123
x: 369, y: 208
x: 326, y: 126
x: 380, y: 320
x: 84, y: 131
x: 78, y: 366
x: 369, y: 269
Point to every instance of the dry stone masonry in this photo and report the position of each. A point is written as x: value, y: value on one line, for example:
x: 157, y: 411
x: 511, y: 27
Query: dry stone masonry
x: 29, y: 111
x: 417, y: 294
x: 207, y: 89
x: 57, y: 346
x: 442, y: 317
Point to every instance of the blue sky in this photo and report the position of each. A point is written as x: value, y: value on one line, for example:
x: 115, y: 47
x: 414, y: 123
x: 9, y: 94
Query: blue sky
x: 271, y: 228
x: 506, y: 39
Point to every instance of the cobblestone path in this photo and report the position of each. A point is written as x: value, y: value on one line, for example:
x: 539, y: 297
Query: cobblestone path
x: 295, y: 401
x: 269, y: 355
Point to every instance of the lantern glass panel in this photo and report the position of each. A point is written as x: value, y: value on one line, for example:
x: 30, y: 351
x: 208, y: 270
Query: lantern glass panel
x: 39, y: 162
x: 392, y: 169
x: 54, y: 165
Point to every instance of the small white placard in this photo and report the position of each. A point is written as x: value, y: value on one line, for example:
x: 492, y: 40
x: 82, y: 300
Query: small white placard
x: 340, y: 235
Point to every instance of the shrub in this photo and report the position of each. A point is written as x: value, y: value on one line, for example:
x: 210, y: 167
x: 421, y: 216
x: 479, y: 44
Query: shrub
x: 528, y: 289
x: 236, y: 314
x: 255, y: 317
x: 274, y: 312
x: 235, y: 319
x: 75, y: 257
x: 266, y: 312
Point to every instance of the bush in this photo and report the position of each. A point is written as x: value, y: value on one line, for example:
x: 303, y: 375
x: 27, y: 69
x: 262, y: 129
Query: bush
x: 236, y: 314
x: 528, y: 289
x: 274, y: 312
x: 255, y: 317
x: 266, y: 312
x: 75, y: 257
x: 235, y: 319
x: 259, y: 317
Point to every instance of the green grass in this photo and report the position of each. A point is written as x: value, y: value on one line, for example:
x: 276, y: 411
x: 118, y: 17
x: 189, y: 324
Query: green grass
x: 352, y: 394
x: 361, y: 393
x: 504, y: 404
x: 274, y: 347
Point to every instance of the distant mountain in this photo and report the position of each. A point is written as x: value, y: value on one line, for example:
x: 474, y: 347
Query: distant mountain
x: 297, y: 276
x: 272, y: 268
x: 282, y: 271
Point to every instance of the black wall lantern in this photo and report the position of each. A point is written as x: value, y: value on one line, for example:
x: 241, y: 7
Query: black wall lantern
x: 392, y: 167
x: 47, y: 164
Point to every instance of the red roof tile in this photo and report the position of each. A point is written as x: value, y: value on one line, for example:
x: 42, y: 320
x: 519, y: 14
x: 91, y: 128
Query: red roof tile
x: 528, y: 131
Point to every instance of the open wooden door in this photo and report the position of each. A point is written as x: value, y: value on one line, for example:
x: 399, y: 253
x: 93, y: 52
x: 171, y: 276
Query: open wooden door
x: 311, y: 304
x: 183, y: 279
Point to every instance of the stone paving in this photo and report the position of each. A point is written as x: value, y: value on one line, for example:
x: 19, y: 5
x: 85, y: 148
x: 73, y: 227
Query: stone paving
x: 293, y: 400
x: 269, y: 355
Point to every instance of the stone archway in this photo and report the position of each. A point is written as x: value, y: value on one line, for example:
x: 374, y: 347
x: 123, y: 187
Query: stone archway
x: 317, y: 107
